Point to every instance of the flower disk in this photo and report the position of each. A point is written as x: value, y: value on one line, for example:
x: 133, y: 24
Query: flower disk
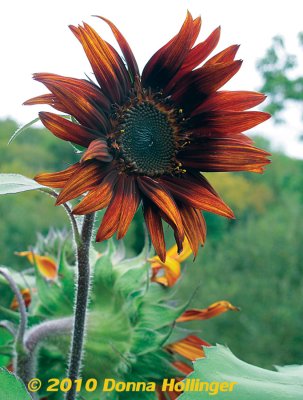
x: 150, y: 136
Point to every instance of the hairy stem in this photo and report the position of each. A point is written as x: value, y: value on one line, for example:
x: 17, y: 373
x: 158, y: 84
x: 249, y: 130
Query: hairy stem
x: 21, y: 351
x: 81, y: 303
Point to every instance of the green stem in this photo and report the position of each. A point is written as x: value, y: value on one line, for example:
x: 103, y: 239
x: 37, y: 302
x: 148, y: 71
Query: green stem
x: 81, y: 303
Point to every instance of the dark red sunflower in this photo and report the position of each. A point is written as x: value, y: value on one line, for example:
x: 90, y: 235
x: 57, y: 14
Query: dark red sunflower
x: 148, y: 136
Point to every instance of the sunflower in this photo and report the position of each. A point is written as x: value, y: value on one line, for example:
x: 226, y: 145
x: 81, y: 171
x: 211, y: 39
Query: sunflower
x: 147, y: 137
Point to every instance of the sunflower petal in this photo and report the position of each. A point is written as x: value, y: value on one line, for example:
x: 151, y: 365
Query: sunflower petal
x: 155, y: 228
x: 223, y: 155
x: 196, y: 195
x: 46, y: 265
x: 129, y: 206
x: 98, y: 197
x: 210, y: 312
x: 57, y: 179
x: 230, y: 101
x: 190, y: 347
x: 225, y: 55
x: 88, y: 176
x: 164, y: 201
x: 172, y: 272
x: 111, y: 219
x: 67, y: 130
x: 229, y: 122
x: 98, y: 150
x: 166, y: 62
x: 195, y: 229
x: 201, y: 82
x: 126, y: 50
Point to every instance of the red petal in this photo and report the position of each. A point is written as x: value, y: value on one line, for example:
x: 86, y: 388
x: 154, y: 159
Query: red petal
x: 226, y: 122
x: 86, y: 89
x: 57, y: 179
x: 87, y: 177
x: 194, y: 226
x: 191, y: 192
x: 111, y: 219
x: 49, y: 99
x: 106, y: 64
x: 99, y: 197
x: 155, y: 228
x: 164, y: 201
x: 226, y: 55
x: 166, y: 61
x: 126, y: 50
x: 230, y: 101
x: 67, y: 130
x: 198, y: 84
x: 130, y: 204
x: 195, y: 57
x: 97, y: 149
x: 224, y: 155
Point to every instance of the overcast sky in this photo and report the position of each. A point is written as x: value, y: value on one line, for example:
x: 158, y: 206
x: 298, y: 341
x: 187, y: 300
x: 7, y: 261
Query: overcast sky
x: 34, y: 37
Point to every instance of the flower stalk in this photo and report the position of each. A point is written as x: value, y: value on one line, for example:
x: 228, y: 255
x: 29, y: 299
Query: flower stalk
x: 81, y: 302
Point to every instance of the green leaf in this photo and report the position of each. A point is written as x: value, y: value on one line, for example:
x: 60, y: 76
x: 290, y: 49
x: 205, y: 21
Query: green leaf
x: 15, y: 183
x: 220, y: 365
x: 12, y: 388
x: 23, y: 128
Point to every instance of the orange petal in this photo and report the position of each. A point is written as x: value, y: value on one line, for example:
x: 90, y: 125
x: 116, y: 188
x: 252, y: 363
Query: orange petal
x: 97, y: 149
x: 163, y: 200
x: 46, y: 265
x: 26, y: 294
x: 99, y: 197
x: 172, y: 272
x: 57, y: 179
x: 126, y: 50
x: 155, y: 228
x: 111, y: 219
x: 67, y: 130
x: 87, y: 177
x: 49, y: 99
x: 212, y: 311
x: 129, y: 207
x: 194, y: 226
x: 190, y: 347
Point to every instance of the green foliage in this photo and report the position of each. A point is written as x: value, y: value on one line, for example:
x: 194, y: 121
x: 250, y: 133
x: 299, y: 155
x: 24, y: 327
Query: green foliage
x: 11, y: 387
x: 252, y: 383
x: 282, y: 79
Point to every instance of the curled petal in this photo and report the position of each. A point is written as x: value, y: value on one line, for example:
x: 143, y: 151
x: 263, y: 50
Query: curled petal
x: 98, y: 150
x: 26, y: 294
x: 212, y: 311
x: 172, y: 272
x: 57, y: 179
x: 46, y: 265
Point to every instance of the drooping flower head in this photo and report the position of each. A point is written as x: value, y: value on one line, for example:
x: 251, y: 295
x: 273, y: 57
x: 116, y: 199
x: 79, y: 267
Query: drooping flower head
x: 149, y: 136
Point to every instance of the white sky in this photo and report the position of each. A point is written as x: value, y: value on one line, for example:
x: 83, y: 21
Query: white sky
x: 34, y: 37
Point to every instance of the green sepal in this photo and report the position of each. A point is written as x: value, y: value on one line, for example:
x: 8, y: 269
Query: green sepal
x: 12, y: 388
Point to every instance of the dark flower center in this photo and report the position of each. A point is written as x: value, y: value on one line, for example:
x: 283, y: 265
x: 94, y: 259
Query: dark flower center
x: 147, y: 141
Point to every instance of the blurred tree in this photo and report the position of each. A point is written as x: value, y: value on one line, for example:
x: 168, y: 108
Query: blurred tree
x: 282, y: 78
